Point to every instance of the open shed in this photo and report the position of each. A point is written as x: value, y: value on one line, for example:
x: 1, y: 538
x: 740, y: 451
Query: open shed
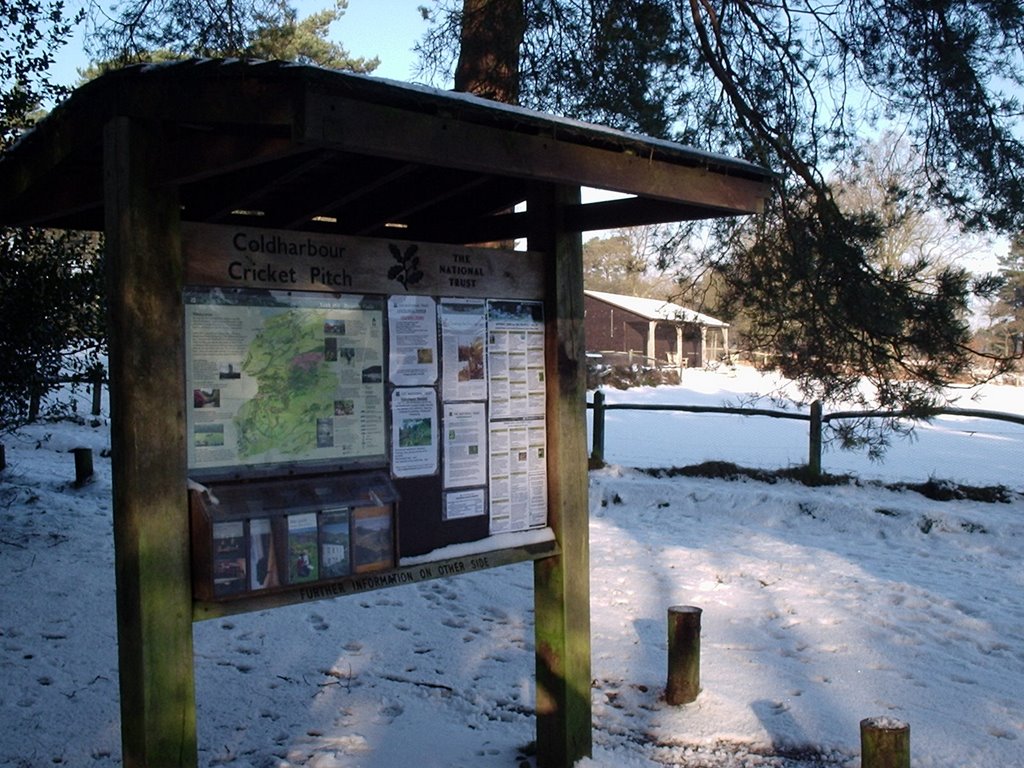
x: 171, y: 161
x: 653, y: 332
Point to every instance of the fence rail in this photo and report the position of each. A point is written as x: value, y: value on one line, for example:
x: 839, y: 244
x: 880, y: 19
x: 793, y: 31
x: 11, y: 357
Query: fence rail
x: 816, y: 420
x: 95, y: 378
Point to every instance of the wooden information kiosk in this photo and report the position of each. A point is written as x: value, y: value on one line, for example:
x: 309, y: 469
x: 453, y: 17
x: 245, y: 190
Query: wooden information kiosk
x: 319, y: 385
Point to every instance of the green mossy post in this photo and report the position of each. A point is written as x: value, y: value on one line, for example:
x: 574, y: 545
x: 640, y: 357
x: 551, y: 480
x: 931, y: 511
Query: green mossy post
x: 683, y: 683
x: 562, y: 582
x: 154, y: 597
x: 884, y: 743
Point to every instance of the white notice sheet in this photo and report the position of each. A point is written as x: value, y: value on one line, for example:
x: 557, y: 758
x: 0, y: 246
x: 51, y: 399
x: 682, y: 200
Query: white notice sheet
x: 463, y: 335
x: 515, y: 359
x: 465, y: 445
x: 518, y: 475
x: 414, y: 432
x: 468, y: 503
x: 412, y: 324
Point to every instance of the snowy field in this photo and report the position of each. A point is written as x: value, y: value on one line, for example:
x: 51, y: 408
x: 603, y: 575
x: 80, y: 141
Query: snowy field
x: 821, y: 607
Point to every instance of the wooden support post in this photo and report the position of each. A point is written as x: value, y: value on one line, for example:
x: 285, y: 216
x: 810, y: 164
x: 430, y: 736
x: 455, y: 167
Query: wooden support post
x: 597, y: 452
x: 562, y: 582
x: 814, y: 450
x: 97, y: 389
x: 83, y: 465
x: 683, y: 683
x: 884, y: 743
x: 151, y: 533
x: 34, y: 402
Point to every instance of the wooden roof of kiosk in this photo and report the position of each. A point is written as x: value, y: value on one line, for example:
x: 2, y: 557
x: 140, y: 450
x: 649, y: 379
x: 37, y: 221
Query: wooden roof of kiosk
x: 139, y: 151
x: 297, y: 147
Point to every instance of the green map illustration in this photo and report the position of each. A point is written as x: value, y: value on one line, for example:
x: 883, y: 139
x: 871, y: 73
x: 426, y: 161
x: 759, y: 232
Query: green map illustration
x: 295, y: 386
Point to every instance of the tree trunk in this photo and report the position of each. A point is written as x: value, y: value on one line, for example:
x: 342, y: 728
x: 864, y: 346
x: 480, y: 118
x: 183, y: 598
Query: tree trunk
x: 492, y: 33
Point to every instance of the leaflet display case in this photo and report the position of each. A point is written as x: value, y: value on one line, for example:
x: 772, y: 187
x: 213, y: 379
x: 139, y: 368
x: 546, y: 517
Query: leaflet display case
x: 260, y: 537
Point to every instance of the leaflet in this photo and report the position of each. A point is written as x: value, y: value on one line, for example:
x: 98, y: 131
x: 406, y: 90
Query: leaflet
x: 465, y: 445
x: 412, y: 324
x: 463, y: 334
x: 518, y: 475
x: 469, y: 503
x: 515, y: 359
x: 414, y: 432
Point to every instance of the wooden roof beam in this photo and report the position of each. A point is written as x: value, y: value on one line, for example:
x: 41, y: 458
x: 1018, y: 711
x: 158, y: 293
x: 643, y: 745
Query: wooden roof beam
x: 437, y: 140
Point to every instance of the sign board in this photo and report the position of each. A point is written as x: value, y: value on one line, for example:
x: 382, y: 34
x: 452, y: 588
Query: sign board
x: 352, y: 402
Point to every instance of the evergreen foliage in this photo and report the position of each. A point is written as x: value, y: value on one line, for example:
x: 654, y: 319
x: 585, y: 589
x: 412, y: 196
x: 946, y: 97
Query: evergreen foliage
x: 50, y: 298
x: 167, y: 30
x: 1006, y: 333
x: 52, y: 303
x: 794, y: 86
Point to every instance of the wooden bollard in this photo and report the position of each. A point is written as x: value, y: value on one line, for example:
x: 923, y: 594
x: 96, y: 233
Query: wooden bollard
x: 83, y: 465
x: 683, y: 654
x: 884, y: 743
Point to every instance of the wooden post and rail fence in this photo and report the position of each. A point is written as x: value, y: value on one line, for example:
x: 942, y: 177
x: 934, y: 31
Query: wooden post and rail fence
x: 816, y: 419
x: 95, y: 378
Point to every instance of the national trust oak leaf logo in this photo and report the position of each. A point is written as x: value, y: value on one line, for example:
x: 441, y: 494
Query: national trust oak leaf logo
x: 407, y: 271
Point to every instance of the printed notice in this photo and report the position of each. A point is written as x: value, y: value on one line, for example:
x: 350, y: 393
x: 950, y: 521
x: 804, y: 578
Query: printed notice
x: 518, y: 475
x: 280, y: 377
x: 515, y: 359
x: 412, y: 323
x: 465, y: 441
x: 463, y: 335
x: 458, y: 504
x: 414, y: 432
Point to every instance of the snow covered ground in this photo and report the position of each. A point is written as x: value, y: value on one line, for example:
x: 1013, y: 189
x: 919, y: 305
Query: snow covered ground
x: 820, y: 607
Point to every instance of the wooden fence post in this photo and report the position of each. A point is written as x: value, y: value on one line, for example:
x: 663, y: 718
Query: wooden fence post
x: 683, y: 683
x: 884, y: 743
x: 814, y: 453
x: 597, y: 452
x: 83, y: 465
x: 34, y: 403
x: 97, y: 389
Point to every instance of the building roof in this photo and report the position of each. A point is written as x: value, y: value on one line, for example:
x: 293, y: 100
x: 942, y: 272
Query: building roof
x: 288, y: 146
x: 656, y: 309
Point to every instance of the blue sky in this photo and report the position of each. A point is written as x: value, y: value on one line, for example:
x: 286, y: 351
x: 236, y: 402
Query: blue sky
x: 387, y: 29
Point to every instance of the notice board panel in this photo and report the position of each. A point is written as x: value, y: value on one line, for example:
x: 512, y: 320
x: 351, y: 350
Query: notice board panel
x: 311, y: 358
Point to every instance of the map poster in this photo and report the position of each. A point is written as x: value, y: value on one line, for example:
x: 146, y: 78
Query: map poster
x: 414, y: 445
x: 412, y: 324
x: 277, y: 377
x: 463, y: 335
